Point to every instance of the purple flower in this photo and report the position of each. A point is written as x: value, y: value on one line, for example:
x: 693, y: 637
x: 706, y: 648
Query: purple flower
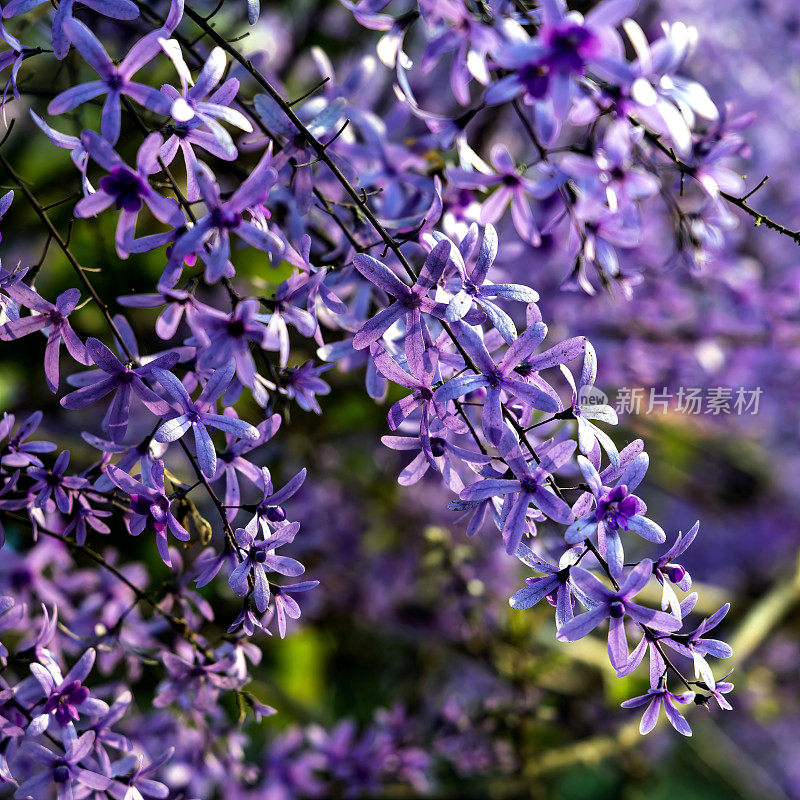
x: 435, y: 449
x: 607, y: 174
x: 269, y: 511
x: 281, y: 313
x: 585, y: 408
x: 143, y: 453
x: 530, y: 485
x: 302, y: 384
x: 83, y: 514
x: 225, y: 217
x: 475, y: 290
x: 225, y: 338
x: 650, y: 644
x: 51, y: 318
x: 61, y: 770
x: 65, y: 696
x: 721, y: 688
x: 513, y: 187
x: 503, y: 377
x: 192, y: 684
x: 422, y: 397
x: 260, y: 557
x: 544, y: 69
x: 115, y: 81
x: 296, y: 149
x: 122, y: 379
x: 657, y: 699
x: 553, y: 585
x: 191, y: 109
x: 286, y: 605
x: 614, y: 606
x: 649, y: 89
x: 51, y: 484
x: 133, y: 781
x: 667, y: 572
x: 177, y: 302
x: 697, y: 646
x: 117, y: 9
x: 617, y: 509
x: 409, y: 306
x: 17, y: 452
x: 231, y: 461
x: 149, y: 503
x: 196, y: 415
x: 128, y: 190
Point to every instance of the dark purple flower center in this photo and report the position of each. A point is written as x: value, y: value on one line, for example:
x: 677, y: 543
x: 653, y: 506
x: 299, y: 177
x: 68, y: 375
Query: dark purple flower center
x: 535, y: 79
x: 617, y: 507
x: 21, y: 578
x: 437, y: 446
x: 63, y: 703
x: 114, y: 81
x: 258, y: 554
x: 675, y: 572
x: 275, y: 514
x: 617, y: 173
x: 61, y: 773
x: 570, y: 46
x: 140, y: 504
x: 126, y: 187
x: 236, y: 328
x: 220, y: 218
x: 616, y: 609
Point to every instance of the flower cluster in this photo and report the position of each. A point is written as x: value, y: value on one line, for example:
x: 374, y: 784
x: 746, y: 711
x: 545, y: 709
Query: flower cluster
x: 333, y: 229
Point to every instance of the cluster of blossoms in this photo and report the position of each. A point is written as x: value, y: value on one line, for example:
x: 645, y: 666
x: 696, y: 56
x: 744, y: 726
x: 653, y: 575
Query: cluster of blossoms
x: 493, y: 409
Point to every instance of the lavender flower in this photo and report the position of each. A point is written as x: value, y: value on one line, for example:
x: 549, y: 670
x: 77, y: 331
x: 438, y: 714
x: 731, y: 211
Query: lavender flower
x: 61, y: 770
x: 53, y: 487
x: 65, y: 696
x: 554, y: 585
x: 224, y: 218
x: 16, y: 451
x: 50, y: 318
x: 657, y: 699
x: 115, y: 81
x: 502, y: 376
x: 128, y: 190
x: 117, y: 9
x: 191, y: 109
x: 123, y: 380
x: 260, y: 557
x: 149, y: 503
x: 614, y: 606
x: 409, y: 306
x: 616, y: 509
x: 196, y: 415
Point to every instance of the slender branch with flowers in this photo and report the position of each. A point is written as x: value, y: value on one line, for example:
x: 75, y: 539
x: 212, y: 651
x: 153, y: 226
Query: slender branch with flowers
x: 368, y: 224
